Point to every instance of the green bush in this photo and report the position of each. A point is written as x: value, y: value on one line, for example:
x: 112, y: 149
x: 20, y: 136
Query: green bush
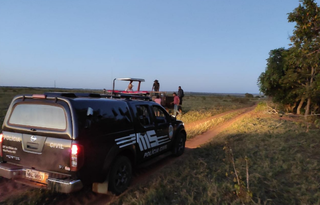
x: 248, y: 95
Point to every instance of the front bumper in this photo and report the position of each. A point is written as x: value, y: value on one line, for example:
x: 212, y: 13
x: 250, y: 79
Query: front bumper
x: 18, y: 173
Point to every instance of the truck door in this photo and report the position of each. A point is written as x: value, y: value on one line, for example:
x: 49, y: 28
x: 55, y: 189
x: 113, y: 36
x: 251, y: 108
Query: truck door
x: 147, y: 139
x: 163, y: 127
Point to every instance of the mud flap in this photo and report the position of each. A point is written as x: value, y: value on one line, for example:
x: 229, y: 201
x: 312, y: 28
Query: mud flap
x: 101, y: 188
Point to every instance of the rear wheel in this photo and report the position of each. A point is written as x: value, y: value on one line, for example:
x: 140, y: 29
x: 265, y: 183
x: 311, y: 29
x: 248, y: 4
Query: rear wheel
x: 120, y: 175
x: 179, y: 145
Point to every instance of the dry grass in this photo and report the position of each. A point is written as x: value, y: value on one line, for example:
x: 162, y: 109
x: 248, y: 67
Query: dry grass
x: 203, y: 127
x: 201, y: 107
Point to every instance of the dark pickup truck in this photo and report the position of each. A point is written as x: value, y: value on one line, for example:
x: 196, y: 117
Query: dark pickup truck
x: 64, y: 141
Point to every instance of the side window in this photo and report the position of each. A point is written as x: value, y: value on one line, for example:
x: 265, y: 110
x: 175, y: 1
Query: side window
x: 159, y: 114
x: 143, y: 115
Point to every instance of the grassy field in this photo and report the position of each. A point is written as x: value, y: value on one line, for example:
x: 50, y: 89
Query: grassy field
x: 261, y: 159
x: 200, y: 107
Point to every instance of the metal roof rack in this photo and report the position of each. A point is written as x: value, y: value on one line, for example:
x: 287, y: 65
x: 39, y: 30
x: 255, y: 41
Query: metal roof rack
x: 72, y: 95
x: 129, y: 96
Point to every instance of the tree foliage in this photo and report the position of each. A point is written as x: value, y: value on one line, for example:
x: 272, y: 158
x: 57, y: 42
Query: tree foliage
x: 269, y: 81
x: 292, y: 75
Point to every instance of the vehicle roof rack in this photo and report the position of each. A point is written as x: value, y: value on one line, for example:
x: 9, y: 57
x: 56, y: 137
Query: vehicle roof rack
x: 72, y: 95
x: 129, y: 96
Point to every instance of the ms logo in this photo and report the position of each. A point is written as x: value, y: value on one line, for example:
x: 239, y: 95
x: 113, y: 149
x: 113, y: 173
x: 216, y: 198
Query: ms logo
x: 147, y: 140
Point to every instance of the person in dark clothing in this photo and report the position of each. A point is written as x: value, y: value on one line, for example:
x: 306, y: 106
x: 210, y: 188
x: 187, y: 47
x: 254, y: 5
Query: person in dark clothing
x: 180, y: 94
x: 156, y: 86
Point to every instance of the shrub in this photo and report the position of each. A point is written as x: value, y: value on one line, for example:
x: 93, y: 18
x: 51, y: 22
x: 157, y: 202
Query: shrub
x: 248, y: 95
x: 261, y: 106
x: 240, y: 100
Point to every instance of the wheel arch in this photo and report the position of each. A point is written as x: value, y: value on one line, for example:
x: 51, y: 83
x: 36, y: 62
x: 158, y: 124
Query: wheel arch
x: 179, y: 130
x: 115, y: 152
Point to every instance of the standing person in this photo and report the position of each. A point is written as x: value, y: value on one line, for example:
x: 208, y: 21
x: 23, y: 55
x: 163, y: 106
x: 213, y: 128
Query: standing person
x: 129, y: 88
x: 156, y: 86
x: 180, y: 94
x: 176, y: 102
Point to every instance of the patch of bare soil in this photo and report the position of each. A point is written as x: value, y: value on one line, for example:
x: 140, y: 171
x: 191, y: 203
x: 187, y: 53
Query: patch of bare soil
x: 9, y: 188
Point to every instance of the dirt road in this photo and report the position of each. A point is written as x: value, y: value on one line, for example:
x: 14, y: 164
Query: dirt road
x: 10, y: 189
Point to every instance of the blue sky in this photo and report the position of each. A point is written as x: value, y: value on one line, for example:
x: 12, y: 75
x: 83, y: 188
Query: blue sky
x: 204, y: 46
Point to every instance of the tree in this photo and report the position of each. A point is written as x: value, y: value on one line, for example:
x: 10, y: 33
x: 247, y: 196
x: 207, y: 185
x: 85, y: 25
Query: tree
x: 293, y: 75
x: 248, y: 95
x: 293, y: 80
x: 270, y: 81
x: 303, y: 61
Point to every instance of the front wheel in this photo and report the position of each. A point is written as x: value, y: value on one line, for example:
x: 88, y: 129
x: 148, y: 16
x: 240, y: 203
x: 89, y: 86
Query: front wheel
x: 120, y: 175
x: 179, y: 145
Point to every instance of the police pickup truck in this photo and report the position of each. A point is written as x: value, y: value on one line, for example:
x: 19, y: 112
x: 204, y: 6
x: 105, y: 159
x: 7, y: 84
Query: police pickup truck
x: 64, y: 141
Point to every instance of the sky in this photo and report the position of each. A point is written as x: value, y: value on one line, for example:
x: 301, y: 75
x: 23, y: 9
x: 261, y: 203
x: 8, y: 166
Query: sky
x: 216, y: 46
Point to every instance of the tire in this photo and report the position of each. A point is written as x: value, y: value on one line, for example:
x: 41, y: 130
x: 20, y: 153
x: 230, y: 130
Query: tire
x: 120, y: 175
x: 179, y: 145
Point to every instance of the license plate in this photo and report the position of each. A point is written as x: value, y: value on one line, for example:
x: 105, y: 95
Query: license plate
x: 36, y: 175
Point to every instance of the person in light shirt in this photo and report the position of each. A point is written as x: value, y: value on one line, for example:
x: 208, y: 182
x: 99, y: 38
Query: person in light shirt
x: 129, y: 88
x: 158, y: 100
x: 176, y: 102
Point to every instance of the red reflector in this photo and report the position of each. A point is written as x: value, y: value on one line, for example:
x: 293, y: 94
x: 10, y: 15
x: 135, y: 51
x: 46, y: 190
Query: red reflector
x: 74, y: 149
x: 39, y: 96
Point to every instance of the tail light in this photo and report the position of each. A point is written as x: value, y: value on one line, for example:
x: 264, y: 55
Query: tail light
x: 76, y: 157
x: 1, y: 141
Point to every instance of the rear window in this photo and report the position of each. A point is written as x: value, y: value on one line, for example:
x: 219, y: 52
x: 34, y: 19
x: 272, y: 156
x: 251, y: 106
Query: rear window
x: 41, y: 116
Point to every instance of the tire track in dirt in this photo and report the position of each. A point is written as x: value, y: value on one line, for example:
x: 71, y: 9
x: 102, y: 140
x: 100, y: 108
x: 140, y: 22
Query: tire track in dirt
x: 9, y: 189
x: 198, y: 122
x: 205, y: 137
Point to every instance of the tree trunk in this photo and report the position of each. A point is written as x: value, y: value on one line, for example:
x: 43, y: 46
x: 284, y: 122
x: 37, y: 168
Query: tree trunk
x: 308, y: 93
x: 307, y: 107
x: 300, y: 105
